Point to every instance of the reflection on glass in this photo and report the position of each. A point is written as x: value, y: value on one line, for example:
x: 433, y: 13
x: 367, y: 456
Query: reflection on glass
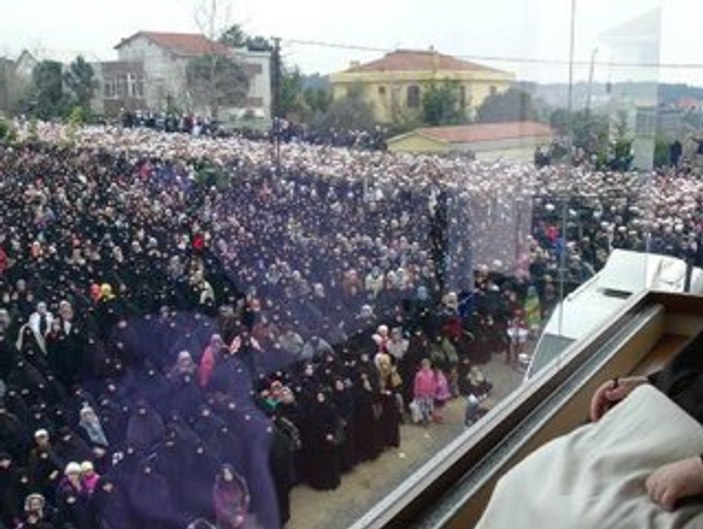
x: 254, y: 296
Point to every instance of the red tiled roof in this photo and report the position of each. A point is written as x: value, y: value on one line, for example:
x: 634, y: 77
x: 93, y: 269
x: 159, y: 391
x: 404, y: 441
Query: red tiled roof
x: 487, y: 131
x: 418, y: 61
x: 181, y: 43
x: 689, y: 102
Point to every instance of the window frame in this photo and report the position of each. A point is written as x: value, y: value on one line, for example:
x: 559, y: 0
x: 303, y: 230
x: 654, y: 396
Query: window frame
x: 455, y: 484
x: 413, y: 96
x: 109, y: 88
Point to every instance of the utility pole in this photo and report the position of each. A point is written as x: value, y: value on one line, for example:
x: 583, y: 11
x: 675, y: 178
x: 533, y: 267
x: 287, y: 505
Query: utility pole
x: 276, y: 106
x: 4, y: 86
x: 570, y: 164
x: 590, y: 82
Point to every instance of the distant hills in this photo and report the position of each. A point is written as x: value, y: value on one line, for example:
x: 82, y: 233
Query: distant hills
x: 556, y: 95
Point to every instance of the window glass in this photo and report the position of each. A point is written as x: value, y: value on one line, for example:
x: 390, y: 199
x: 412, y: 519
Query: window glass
x: 109, y: 87
x: 258, y: 271
x: 413, y: 97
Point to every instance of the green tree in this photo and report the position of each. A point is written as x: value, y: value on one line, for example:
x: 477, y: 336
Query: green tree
x: 234, y: 37
x: 662, y: 156
x: 512, y: 105
x: 292, y: 100
x: 13, y: 88
x: 258, y: 43
x: 5, y: 128
x: 215, y: 81
x: 589, y: 131
x: 317, y: 100
x: 440, y: 105
x: 80, y: 80
x: 347, y: 113
x: 47, y: 98
x: 617, y: 157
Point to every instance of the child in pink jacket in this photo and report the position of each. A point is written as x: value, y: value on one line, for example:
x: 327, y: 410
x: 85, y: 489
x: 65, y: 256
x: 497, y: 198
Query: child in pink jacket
x: 442, y: 394
x: 424, y: 390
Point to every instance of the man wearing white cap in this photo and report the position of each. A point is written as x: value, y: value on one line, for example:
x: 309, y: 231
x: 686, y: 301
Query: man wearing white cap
x: 44, y: 467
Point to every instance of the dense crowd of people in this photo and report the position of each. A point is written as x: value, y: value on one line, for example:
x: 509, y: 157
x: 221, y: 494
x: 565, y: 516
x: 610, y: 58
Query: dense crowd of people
x: 173, y: 351
x: 281, y: 130
x: 187, y: 123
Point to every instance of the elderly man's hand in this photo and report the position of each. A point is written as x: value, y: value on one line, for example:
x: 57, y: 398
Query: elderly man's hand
x: 607, y: 395
x: 671, y: 483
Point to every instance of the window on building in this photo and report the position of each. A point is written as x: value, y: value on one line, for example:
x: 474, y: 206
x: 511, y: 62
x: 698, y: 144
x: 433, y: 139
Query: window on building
x: 413, y: 98
x: 109, y: 89
x: 121, y: 86
x: 493, y: 90
x: 462, y: 97
x: 646, y: 121
x: 138, y: 87
x: 130, y: 84
x: 382, y: 90
x: 135, y: 85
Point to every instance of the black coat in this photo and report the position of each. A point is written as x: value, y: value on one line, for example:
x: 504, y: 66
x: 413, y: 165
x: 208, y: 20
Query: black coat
x: 45, y: 470
x: 282, y: 464
x: 111, y: 509
x: 152, y: 502
x: 8, y: 355
x: 66, y: 355
x: 321, y: 454
x: 73, y: 508
x: 70, y: 447
x: 10, y: 500
x: 144, y: 431
x: 14, y: 437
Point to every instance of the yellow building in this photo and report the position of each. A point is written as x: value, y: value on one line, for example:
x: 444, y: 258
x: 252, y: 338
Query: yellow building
x: 394, y: 84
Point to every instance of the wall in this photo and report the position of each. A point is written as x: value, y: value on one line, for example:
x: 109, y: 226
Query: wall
x: 521, y: 149
x: 164, y: 73
x: 260, y: 82
x: 418, y: 144
x: 121, y: 85
x: 391, y: 106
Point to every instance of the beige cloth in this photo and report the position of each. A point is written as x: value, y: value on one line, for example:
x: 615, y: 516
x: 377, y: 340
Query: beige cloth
x: 594, y: 477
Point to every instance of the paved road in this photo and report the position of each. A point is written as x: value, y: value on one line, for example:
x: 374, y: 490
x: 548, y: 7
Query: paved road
x: 368, y: 483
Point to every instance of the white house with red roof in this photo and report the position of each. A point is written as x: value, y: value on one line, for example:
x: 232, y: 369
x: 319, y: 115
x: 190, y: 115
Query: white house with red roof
x: 165, y: 57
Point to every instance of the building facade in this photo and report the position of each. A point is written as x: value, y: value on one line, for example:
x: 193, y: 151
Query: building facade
x: 120, y: 87
x: 394, y: 85
x: 486, y: 141
x: 165, y: 57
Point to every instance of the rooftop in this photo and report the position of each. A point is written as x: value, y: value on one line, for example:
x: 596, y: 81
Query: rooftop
x: 180, y: 43
x: 418, y: 61
x: 486, y: 131
x: 60, y: 56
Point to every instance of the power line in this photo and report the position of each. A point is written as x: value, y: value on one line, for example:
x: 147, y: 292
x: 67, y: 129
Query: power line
x: 336, y: 45
x: 497, y: 58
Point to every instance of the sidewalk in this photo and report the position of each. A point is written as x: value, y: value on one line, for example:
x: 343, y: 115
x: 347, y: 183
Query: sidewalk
x: 368, y: 483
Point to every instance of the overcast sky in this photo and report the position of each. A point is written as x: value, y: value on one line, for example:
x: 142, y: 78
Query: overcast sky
x: 478, y: 29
